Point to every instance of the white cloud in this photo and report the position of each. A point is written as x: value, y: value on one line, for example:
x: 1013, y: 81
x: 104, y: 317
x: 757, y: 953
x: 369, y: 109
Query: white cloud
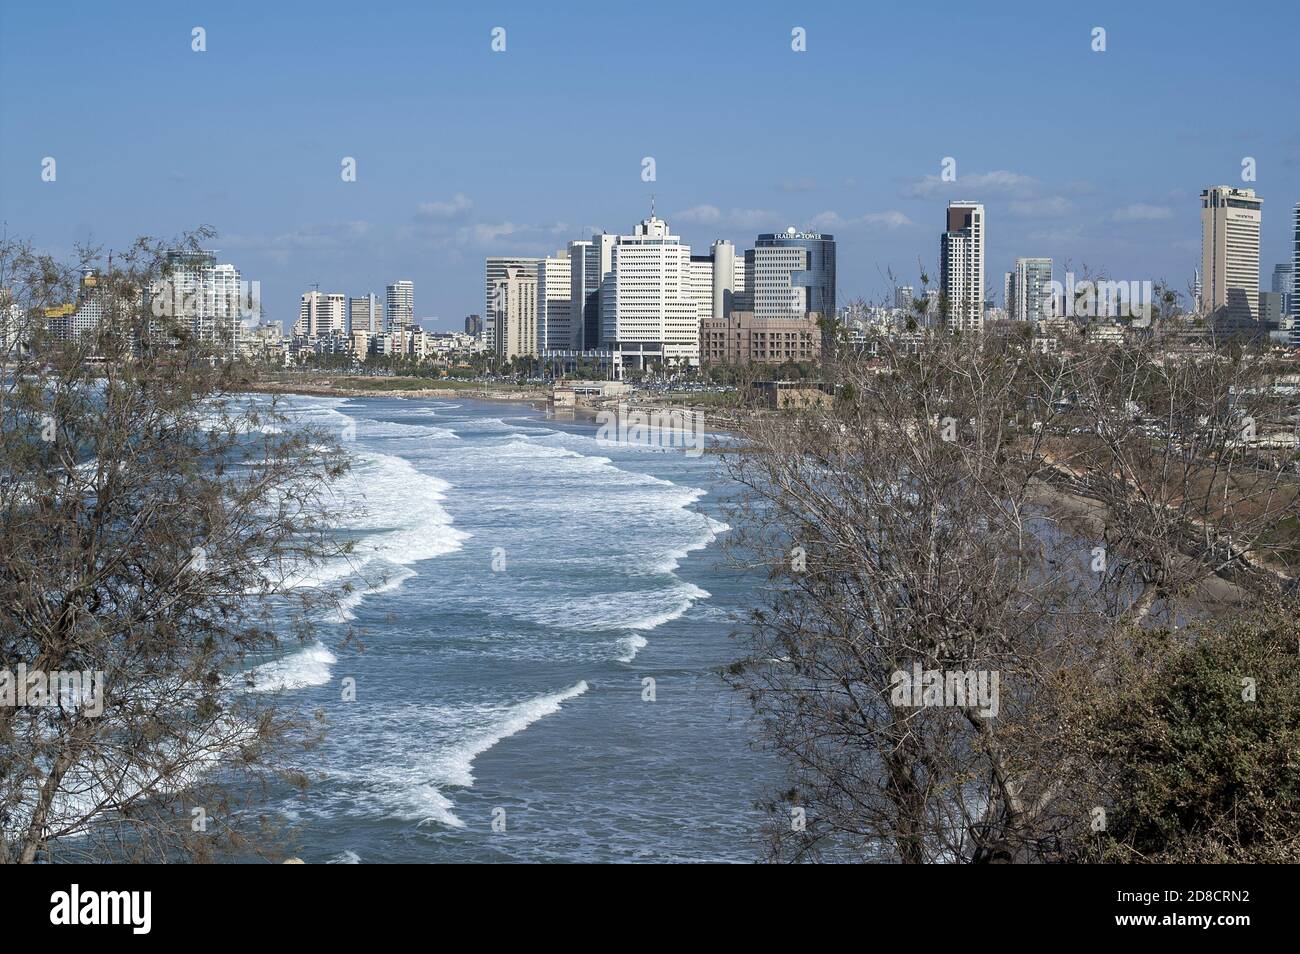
x: 753, y: 218
x: 316, y: 241
x: 507, y: 238
x: 700, y: 215
x: 733, y: 218
x: 891, y: 219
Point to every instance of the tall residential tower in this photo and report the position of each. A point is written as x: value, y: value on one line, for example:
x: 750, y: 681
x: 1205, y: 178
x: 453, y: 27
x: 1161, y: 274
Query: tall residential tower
x: 1230, y: 220
x: 400, y: 305
x: 961, y: 266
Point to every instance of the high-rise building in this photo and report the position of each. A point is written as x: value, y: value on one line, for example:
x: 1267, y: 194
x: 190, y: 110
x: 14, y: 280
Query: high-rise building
x: 321, y: 314
x: 931, y: 303
x: 366, y: 314
x: 399, y: 305
x: 961, y: 266
x: 792, y: 275
x: 717, y: 280
x: 903, y: 297
x: 728, y: 277
x: 1283, y: 278
x: 205, y: 296
x: 514, y: 316
x: 308, y: 309
x: 1230, y: 220
x: 584, y: 294
x: 496, y: 269
x: 1295, y: 265
x: 90, y: 313
x: 699, y: 282
x: 589, y: 265
x: 474, y: 325
x: 333, y: 316
x: 1270, y: 308
x: 647, y: 312
x: 554, y: 325
x: 1029, y: 290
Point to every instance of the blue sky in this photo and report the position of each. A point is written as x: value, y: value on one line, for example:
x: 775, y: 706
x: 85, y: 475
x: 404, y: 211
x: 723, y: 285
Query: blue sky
x: 1091, y: 158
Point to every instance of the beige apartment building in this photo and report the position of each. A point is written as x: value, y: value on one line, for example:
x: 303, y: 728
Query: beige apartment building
x: 1230, y: 220
x: 514, y: 312
x: 740, y: 338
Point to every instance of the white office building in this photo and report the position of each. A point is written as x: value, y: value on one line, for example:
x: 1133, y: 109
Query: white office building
x: 647, y: 311
x: 716, y: 279
x: 700, y: 284
x: 554, y: 288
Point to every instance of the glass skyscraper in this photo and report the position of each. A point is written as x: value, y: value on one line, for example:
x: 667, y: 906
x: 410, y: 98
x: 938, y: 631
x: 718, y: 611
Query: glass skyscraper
x: 793, y: 274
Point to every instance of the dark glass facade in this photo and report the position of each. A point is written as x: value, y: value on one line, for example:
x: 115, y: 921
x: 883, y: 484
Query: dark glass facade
x: 818, y: 278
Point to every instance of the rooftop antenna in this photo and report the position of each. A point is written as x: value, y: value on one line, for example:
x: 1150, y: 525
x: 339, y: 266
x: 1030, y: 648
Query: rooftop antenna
x: 652, y: 205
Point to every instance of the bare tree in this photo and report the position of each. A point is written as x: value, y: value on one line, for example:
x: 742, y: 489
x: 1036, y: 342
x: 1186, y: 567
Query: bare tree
x: 152, y: 530
x: 956, y: 546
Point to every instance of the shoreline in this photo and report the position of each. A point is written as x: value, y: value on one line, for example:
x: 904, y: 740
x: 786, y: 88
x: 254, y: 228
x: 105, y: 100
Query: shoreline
x: 1087, y: 513
x: 536, y: 399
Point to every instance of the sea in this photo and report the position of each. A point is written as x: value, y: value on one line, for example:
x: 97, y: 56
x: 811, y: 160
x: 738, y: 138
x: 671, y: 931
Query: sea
x: 541, y: 618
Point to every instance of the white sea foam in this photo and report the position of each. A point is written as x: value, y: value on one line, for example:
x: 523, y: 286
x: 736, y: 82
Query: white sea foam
x: 395, y: 508
x: 367, y: 429
x: 414, y: 753
x: 309, y: 666
x: 629, y: 646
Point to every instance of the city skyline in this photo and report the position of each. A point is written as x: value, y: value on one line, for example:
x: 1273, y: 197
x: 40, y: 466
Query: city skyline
x: 430, y: 204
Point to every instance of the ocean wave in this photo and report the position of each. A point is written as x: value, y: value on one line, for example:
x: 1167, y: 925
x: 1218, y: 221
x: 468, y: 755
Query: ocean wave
x: 309, y: 666
x: 629, y: 646
x: 367, y: 428
x: 414, y: 753
x: 396, y: 514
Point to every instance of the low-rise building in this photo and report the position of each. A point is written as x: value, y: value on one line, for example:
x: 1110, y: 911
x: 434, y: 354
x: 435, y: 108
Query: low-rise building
x: 740, y: 338
x: 777, y: 395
